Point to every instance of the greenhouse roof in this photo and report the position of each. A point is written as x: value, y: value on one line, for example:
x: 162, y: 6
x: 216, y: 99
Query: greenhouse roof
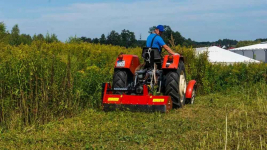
x: 217, y: 54
x: 262, y: 46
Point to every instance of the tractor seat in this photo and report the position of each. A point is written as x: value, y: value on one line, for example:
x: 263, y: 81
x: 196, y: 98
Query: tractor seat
x: 154, y: 53
x: 151, y: 56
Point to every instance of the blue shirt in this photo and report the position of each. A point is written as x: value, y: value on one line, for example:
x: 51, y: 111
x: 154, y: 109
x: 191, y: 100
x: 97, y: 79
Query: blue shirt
x: 157, y: 43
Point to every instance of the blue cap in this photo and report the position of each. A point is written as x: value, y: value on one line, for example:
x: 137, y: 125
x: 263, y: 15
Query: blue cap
x: 161, y: 28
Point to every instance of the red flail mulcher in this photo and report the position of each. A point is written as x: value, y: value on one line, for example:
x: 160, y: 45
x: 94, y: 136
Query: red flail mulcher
x: 159, y: 84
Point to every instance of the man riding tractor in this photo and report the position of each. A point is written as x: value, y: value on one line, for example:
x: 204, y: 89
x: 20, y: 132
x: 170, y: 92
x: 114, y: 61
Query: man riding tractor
x: 154, y: 40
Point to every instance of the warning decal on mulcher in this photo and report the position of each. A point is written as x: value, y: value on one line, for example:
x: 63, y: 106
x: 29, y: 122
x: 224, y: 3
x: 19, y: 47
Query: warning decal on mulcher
x: 158, y: 100
x: 113, y: 99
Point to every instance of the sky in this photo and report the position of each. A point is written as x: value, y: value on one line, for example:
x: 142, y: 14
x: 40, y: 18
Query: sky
x: 200, y: 20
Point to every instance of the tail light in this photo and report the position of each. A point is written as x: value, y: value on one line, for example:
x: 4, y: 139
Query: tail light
x: 170, y: 58
x: 120, y: 57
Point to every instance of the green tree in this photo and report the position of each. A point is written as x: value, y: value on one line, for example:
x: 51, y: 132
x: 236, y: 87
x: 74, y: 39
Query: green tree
x: 3, y: 33
x: 38, y: 37
x: 114, y: 38
x: 141, y: 43
x: 26, y: 39
x: 15, y: 36
x: 262, y: 40
x: 51, y: 38
x: 246, y: 43
x: 128, y: 38
x: 2, y: 28
x: 102, y: 39
x: 95, y: 40
x: 228, y: 42
x: 85, y: 39
x: 74, y: 40
x: 179, y: 39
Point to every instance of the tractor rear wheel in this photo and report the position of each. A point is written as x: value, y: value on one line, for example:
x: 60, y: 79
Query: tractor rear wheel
x: 175, y: 85
x: 121, y: 79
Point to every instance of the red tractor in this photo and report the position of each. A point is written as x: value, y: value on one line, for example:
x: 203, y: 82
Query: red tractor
x: 159, y: 84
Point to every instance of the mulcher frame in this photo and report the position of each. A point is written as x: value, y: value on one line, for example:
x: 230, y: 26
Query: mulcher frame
x: 145, y: 102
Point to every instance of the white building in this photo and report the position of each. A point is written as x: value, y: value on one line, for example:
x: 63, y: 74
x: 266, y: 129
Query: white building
x: 257, y: 51
x: 219, y: 55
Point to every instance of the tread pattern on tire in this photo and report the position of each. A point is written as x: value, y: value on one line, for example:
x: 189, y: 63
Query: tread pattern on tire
x: 120, y: 79
x: 172, y: 80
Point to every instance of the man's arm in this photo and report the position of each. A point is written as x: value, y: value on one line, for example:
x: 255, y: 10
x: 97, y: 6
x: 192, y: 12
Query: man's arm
x: 168, y: 49
x: 165, y: 46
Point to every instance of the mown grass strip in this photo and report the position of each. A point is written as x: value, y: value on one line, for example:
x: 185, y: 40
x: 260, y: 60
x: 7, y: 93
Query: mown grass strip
x: 198, y: 126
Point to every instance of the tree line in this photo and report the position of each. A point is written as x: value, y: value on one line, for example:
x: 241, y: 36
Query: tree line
x: 125, y: 38
x: 15, y: 38
x: 128, y: 39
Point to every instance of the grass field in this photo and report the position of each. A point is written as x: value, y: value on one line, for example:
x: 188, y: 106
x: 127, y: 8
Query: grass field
x: 234, y: 119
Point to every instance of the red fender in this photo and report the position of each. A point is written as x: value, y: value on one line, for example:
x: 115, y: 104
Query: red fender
x: 190, y: 88
x: 171, y: 65
x: 131, y: 62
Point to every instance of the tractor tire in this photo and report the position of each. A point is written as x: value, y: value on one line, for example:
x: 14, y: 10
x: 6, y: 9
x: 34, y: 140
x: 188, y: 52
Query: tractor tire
x: 175, y: 85
x: 121, y: 79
